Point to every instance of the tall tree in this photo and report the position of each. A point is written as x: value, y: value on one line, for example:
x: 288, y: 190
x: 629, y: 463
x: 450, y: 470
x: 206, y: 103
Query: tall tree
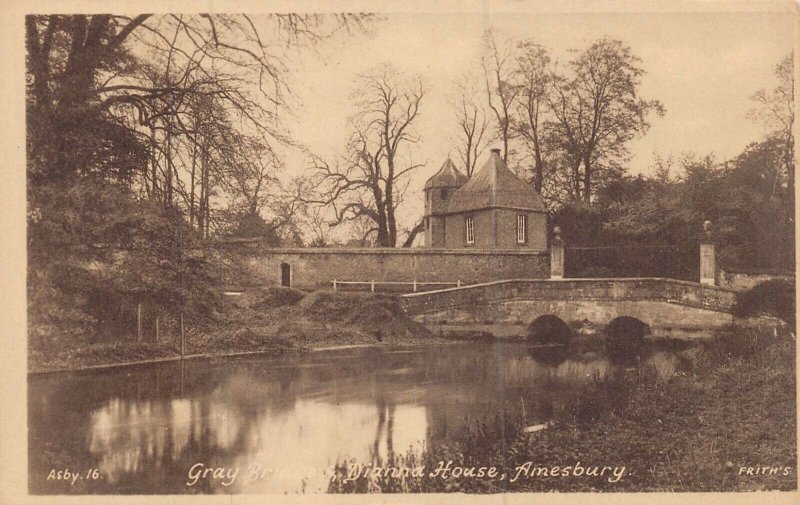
x: 598, y: 111
x: 126, y: 118
x: 89, y: 93
x: 501, y: 90
x: 775, y: 110
x: 372, y: 178
x: 472, y: 125
x: 534, y: 77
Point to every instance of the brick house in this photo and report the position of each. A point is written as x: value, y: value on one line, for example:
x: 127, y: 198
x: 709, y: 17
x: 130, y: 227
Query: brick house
x: 494, y: 209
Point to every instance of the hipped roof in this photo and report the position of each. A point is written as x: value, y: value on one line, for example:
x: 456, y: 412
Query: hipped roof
x: 494, y: 185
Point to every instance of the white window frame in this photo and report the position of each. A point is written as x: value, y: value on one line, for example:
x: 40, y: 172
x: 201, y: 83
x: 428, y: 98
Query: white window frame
x: 469, y: 224
x: 522, y: 229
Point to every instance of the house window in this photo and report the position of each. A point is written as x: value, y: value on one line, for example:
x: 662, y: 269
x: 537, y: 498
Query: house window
x: 444, y: 193
x: 470, y: 228
x: 522, y: 228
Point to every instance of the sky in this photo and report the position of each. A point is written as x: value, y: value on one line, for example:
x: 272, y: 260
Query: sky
x: 703, y: 67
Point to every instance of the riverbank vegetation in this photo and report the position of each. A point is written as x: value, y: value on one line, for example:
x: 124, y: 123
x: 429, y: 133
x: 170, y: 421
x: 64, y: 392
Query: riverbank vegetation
x: 268, y: 320
x: 727, y: 407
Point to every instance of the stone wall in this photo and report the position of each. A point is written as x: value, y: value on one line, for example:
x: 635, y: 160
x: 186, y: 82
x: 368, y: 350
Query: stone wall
x: 318, y: 267
x: 673, y: 291
x: 742, y: 281
x: 507, y: 308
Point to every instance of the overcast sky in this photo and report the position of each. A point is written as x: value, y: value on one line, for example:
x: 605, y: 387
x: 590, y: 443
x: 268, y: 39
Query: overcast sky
x: 702, y: 66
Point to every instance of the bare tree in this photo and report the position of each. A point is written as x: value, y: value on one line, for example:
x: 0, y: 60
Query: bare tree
x: 250, y: 174
x: 87, y: 82
x: 597, y: 111
x: 501, y: 90
x: 317, y: 224
x: 362, y: 232
x: 418, y: 228
x: 534, y: 77
x: 371, y: 179
x: 472, y: 124
x: 775, y: 110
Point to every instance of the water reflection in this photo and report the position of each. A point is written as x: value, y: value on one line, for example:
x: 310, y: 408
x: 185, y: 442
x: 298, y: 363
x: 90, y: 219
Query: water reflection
x: 552, y: 355
x: 283, y: 422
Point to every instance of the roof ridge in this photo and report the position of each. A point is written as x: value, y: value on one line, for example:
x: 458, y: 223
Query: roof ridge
x: 495, y: 185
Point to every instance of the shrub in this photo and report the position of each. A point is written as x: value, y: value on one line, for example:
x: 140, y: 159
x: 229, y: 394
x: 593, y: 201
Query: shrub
x: 751, y: 345
x: 269, y: 297
x: 775, y: 297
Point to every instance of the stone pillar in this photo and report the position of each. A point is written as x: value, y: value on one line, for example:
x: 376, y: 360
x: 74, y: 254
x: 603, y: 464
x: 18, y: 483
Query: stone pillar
x: 708, y: 257
x: 556, y: 255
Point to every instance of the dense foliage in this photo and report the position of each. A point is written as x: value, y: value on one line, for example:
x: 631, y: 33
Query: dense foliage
x: 775, y: 298
x: 652, y: 225
x: 96, y: 253
x: 133, y: 162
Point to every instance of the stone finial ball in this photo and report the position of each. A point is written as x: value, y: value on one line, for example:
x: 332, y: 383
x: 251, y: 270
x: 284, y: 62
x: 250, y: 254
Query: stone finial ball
x: 707, y: 225
x: 557, y: 230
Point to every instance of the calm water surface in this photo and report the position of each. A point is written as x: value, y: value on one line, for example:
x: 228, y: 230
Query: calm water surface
x: 290, y: 418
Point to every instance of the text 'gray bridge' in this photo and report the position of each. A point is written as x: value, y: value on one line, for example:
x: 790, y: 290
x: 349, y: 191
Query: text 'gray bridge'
x: 507, y: 308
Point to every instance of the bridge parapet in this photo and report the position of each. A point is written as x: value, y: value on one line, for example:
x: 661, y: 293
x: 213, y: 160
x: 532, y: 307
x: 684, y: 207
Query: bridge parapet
x: 673, y: 291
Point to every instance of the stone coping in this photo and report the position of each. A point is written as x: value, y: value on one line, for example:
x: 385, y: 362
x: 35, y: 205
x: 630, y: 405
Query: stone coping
x: 580, y: 280
x: 766, y: 272
x: 466, y: 251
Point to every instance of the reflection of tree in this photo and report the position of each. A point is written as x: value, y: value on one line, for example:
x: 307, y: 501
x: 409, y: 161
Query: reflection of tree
x: 389, y: 434
x: 131, y: 439
x: 549, y: 355
x: 146, y: 434
x: 386, y: 408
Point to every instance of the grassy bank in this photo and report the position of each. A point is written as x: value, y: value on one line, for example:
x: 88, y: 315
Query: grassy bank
x: 269, y: 320
x: 731, y: 405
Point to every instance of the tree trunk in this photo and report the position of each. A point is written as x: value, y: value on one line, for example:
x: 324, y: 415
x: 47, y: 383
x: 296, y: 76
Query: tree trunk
x: 538, y: 168
x: 168, y: 181
x: 206, y: 206
x: 587, y: 180
x: 153, y: 163
x: 505, y: 141
x: 201, y: 215
x: 191, y: 187
x: 416, y: 230
x: 576, y: 180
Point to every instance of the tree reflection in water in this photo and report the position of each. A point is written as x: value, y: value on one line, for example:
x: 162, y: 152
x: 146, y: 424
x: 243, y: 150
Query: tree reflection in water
x: 145, y: 427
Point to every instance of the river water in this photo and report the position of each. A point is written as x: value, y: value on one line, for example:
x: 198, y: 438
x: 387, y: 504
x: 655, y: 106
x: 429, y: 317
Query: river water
x: 280, y: 422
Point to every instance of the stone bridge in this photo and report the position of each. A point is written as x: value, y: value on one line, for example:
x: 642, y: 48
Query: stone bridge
x: 671, y: 308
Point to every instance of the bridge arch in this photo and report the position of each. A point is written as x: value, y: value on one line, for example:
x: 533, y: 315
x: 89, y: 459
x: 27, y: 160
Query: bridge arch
x: 549, y: 329
x: 627, y: 328
x: 624, y: 337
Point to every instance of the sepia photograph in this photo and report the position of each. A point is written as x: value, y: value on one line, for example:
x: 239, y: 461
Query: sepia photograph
x: 490, y: 248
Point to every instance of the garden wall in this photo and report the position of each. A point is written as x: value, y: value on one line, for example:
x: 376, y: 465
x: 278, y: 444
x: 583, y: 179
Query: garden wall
x: 318, y: 267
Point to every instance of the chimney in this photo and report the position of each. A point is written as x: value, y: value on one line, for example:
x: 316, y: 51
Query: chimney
x: 496, y: 151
